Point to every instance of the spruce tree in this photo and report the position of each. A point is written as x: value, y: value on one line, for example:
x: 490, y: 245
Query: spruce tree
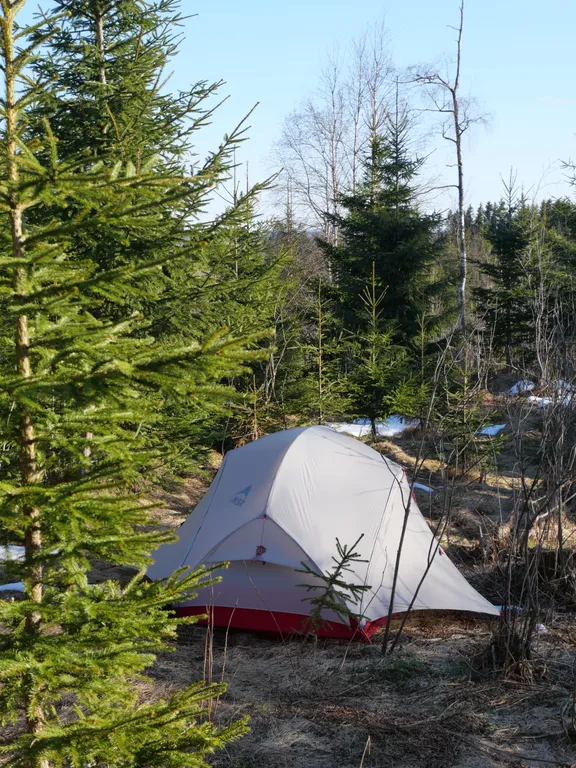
x: 558, y: 232
x: 109, y: 62
x: 245, y: 287
x: 505, y: 304
x: 379, y: 365
x: 324, y: 386
x: 382, y: 225
x: 71, y: 652
x: 302, y: 379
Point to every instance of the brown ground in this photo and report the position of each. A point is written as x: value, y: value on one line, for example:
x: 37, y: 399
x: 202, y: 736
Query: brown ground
x: 329, y: 704
x: 431, y: 704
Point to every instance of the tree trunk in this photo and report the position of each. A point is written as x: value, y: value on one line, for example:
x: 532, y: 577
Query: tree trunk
x: 508, y: 341
x: 100, y: 45
x: 458, y: 131
x: 29, y: 474
x: 461, y: 217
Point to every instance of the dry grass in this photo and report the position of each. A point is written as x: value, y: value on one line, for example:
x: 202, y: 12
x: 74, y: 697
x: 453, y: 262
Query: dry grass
x: 321, y: 703
x: 329, y: 704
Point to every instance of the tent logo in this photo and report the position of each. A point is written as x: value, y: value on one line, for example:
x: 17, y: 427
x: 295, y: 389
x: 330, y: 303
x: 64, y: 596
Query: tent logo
x: 241, y: 496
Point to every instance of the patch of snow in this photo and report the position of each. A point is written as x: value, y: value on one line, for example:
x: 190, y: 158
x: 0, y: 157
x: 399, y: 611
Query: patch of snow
x: 562, y: 387
x: 356, y: 430
x: 541, y: 402
x: 11, y: 552
x: 17, y: 586
x: 544, y: 402
x: 563, y: 393
x: 491, y: 430
x: 522, y: 386
x: 423, y: 488
x: 393, y: 425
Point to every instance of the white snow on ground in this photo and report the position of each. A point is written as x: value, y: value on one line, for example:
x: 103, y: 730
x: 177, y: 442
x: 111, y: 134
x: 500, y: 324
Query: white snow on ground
x: 563, y: 388
x: 11, y: 553
x: 393, y: 425
x: 492, y: 430
x: 541, y: 402
x: 562, y: 393
x: 522, y: 386
x: 568, y: 401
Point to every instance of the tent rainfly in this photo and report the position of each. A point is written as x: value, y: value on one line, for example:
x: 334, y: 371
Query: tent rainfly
x: 282, y: 501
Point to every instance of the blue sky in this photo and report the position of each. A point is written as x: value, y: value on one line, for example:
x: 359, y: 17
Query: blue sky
x: 517, y: 63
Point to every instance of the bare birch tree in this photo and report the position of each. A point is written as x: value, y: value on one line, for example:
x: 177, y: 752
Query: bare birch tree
x: 311, y: 150
x: 323, y: 141
x: 445, y: 93
x: 369, y: 94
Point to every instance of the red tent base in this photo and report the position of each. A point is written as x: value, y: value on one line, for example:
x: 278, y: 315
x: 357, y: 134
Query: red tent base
x: 276, y: 622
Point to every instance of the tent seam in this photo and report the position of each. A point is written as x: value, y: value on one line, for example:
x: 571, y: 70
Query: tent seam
x: 377, y: 537
x: 271, y: 491
x: 221, y: 473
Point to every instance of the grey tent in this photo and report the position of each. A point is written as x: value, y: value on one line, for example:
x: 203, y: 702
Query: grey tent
x: 282, y: 501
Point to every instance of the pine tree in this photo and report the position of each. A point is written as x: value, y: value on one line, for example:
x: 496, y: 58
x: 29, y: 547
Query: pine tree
x: 558, y: 232
x: 71, y: 652
x: 248, y: 287
x: 108, y: 60
x: 303, y: 380
x: 325, y: 382
x: 382, y: 225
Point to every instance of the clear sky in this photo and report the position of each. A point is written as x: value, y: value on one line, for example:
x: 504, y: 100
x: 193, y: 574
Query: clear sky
x: 518, y: 62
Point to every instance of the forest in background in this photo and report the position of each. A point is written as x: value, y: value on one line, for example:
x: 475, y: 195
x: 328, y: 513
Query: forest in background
x: 140, y: 336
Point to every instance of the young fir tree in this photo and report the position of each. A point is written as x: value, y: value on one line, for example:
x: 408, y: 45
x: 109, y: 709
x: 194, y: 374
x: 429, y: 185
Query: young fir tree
x: 379, y: 365
x: 303, y: 380
x: 382, y: 225
x: 505, y: 304
x: 108, y: 60
x: 557, y: 222
x: 71, y: 653
x: 324, y: 391
x: 246, y: 289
